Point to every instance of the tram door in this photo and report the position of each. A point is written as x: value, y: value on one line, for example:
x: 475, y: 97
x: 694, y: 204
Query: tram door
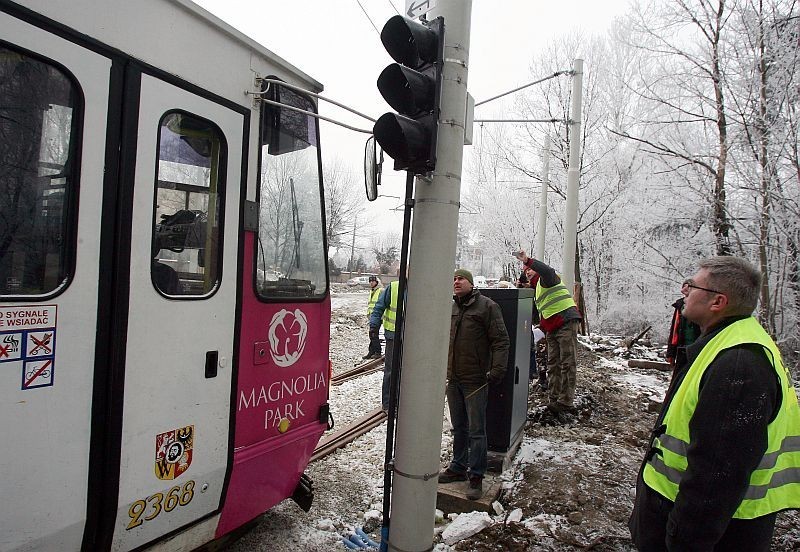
x: 183, y: 278
x: 53, y: 117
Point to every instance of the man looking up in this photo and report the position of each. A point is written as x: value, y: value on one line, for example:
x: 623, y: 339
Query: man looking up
x: 478, y: 355
x: 558, y: 319
x: 725, y: 452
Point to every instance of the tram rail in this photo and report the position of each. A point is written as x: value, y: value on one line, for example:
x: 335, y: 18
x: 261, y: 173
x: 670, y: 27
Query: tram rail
x: 358, y: 371
x: 348, y: 433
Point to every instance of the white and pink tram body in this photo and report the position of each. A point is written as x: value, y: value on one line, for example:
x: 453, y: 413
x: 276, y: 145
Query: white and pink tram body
x: 164, y: 304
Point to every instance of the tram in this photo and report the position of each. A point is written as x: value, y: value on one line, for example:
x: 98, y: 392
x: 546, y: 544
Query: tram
x: 164, y: 302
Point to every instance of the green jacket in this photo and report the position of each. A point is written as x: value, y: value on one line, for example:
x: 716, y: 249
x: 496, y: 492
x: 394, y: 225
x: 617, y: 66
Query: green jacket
x: 478, y: 340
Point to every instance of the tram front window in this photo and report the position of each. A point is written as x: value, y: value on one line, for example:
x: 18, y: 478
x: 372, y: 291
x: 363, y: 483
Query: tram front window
x: 290, y: 257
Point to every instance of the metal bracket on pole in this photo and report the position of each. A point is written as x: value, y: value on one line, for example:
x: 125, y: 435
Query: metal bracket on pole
x: 423, y: 477
x: 565, y: 121
x: 554, y: 75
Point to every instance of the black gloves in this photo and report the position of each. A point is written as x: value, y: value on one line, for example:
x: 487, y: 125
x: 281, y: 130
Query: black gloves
x: 373, y: 331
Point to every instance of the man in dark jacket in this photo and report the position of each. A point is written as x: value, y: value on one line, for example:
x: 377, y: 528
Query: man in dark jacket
x: 721, y: 461
x: 478, y: 355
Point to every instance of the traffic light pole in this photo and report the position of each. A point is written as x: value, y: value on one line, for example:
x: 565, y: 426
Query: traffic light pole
x: 428, y: 309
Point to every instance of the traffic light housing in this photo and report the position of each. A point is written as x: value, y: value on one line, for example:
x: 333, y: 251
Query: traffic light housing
x: 412, y: 86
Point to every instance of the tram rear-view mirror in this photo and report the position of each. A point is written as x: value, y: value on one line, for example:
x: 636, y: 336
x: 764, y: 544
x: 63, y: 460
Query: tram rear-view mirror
x: 373, y: 163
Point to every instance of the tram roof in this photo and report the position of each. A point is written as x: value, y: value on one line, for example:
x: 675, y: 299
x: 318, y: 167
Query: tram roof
x: 144, y: 29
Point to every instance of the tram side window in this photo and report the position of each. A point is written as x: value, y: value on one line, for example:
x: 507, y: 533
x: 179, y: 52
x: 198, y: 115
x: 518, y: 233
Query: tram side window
x: 290, y: 257
x: 189, y: 202
x: 39, y: 130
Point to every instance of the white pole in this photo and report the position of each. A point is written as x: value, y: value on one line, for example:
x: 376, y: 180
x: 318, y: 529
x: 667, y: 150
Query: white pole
x: 426, y: 329
x: 542, y: 226
x: 353, y: 245
x: 573, y: 178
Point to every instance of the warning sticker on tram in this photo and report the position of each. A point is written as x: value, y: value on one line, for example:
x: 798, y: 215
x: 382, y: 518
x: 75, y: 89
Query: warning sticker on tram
x: 28, y: 343
x: 11, y: 346
x: 31, y: 317
x: 40, y: 344
x: 38, y: 373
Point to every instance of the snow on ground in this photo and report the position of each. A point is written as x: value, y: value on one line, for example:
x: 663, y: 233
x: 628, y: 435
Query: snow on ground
x: 652, y: 383
x: 570, y: 486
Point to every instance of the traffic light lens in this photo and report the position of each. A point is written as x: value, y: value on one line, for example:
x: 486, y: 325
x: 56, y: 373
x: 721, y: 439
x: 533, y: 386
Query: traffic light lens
x: 405, y: 140
x: 406, y: 90
x: 408, y: 42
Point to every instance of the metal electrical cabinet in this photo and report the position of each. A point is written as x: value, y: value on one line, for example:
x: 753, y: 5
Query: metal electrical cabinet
x: 508, y: 401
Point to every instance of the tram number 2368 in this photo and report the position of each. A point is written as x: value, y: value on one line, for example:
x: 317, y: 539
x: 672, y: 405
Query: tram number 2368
x: 160, y: 502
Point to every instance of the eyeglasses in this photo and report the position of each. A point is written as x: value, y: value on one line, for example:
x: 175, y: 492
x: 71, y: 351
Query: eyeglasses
x: 688, y: 284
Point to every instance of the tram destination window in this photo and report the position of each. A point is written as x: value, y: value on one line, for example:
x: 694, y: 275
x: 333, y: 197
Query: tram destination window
x: 39, y: 128
x: 290, y: 253
x: 189, y: 202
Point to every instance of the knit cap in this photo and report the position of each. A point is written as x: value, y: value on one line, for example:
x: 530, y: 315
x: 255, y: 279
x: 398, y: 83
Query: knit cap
x: 466, y: 274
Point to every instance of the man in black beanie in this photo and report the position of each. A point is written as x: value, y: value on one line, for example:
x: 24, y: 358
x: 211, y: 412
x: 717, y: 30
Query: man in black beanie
x: 478, y: 355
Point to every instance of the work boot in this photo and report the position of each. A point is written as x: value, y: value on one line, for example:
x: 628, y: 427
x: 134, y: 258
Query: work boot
x: 375, y: 355
x: 449, y: 476
x: 475, y: 489
x: 368, y: 355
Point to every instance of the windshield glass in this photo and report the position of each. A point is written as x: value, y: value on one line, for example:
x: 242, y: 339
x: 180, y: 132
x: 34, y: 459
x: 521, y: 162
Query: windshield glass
x: 290, y: 257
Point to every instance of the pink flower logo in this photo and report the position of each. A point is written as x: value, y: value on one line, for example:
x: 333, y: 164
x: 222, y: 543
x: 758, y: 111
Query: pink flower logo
x: 287, y: 336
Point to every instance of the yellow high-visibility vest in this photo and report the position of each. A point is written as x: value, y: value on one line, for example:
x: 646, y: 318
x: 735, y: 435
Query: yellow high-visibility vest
x: 373, y: 298
x: 775, y: 483
x: 552, y: 300
x: 390, y: 314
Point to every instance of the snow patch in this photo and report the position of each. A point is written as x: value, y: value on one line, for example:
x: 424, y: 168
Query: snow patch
x: 466, y: 525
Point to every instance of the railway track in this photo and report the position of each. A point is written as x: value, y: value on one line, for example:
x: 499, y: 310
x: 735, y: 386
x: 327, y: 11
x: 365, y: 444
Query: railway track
x: 348, y: 433
x: 358, y: 371
x: 358, y: 427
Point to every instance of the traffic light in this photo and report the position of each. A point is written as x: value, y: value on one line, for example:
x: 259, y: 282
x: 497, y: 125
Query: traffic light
x: 412, y: 86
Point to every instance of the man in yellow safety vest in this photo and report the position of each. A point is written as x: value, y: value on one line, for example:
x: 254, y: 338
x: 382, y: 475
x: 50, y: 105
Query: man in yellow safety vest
x: 385, y: 312
x: 724, y: 456
x: 375, y: 289
x: 559, y: 319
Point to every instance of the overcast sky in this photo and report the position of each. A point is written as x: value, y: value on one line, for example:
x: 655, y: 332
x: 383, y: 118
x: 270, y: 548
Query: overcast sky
x: 334, y: 41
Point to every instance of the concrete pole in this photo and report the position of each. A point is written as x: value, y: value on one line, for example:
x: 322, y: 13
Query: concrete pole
x: 541, y: 228
x: 353, y: 245
x: 573, y: 178
x: 428, y: 308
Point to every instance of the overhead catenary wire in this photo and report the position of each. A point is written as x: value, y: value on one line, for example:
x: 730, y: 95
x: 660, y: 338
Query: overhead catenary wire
x: 368, y: 17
